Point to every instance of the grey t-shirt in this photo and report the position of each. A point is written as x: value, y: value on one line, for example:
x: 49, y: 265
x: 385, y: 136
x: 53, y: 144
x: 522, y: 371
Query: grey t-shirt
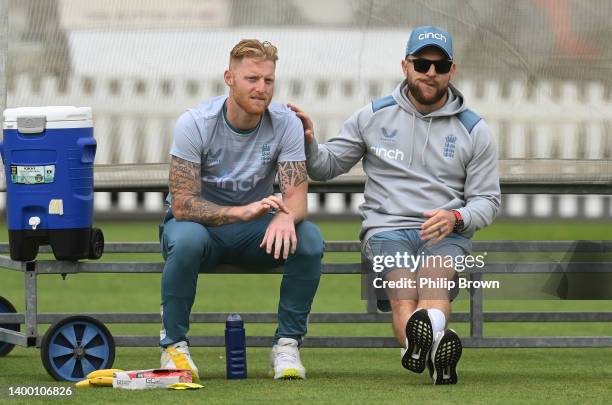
x: 237, y: 167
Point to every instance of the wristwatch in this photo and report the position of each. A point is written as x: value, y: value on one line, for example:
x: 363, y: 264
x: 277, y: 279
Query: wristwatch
x: 459, y: 224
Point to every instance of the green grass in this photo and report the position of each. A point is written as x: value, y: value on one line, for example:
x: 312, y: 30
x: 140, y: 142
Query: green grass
x: 335, y: 375
x: 487, y: 376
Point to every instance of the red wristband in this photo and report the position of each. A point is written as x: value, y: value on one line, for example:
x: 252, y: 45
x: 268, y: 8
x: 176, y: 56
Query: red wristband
x: 459, y: 224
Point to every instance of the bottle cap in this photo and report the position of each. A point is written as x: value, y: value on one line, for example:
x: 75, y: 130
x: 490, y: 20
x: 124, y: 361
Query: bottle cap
x: 234, y: 319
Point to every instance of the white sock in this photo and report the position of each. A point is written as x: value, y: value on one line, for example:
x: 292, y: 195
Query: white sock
x: 438, y: 320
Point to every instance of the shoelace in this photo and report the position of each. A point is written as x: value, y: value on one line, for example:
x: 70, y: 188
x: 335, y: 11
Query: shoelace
x: 286, y: 357
x: 184, y: 350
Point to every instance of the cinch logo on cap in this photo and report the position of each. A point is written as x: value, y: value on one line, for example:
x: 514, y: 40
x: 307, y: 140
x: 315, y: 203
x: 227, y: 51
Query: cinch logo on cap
x: 435, y: 35
x: 428, y: 35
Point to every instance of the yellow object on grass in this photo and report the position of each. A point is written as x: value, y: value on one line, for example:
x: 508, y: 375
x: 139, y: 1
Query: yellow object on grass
x: 185, y: 386
x: 107, y: 372
x: 95, y: 382
x: 101, y: 381
x: 83, y: 384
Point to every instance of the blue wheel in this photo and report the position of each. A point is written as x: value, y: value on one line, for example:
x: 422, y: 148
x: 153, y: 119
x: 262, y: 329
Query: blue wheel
x: 7, y: 308
x: 76, y: 346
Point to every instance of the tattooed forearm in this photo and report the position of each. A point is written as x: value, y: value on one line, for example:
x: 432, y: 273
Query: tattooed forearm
x: 202, y: 211
x: 187, y: 203
x: 291, y: 174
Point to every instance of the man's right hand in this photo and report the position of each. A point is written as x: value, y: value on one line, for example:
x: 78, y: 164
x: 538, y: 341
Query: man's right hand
x: 260, y: 208
x: 306, y: 122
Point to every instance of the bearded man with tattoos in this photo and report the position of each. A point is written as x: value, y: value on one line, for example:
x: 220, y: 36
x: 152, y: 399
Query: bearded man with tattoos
x: 225, y: 155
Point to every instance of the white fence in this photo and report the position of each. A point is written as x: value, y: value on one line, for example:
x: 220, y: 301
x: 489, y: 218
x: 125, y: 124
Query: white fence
x: 134, y: 119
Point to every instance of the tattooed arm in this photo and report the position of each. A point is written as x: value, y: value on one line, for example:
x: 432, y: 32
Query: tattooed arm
x: 185, y: 185
x: 293, y: 183
x: 280, y: 234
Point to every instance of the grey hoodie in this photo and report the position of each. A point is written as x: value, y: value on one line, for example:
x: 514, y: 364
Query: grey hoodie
x: 415, y: 163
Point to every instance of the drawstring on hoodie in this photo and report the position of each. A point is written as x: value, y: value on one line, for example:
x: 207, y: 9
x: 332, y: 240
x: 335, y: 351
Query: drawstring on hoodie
x: 426, y: 142
x: 412, y: 147
x: 424, y: 145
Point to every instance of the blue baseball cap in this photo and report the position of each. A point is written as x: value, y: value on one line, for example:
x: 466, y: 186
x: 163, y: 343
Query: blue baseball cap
x: 428, y: 35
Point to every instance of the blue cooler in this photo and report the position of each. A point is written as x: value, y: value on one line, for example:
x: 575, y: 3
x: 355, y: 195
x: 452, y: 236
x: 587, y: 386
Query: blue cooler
x: 48, y: 155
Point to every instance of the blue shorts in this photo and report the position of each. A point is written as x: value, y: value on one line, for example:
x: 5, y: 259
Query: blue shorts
x: 408, y: 242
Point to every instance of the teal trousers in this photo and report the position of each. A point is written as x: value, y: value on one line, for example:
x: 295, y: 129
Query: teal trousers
x: 189, y: 248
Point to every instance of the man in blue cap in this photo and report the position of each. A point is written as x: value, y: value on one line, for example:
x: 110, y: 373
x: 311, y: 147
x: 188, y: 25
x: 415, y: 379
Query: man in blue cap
x: 432, y: 182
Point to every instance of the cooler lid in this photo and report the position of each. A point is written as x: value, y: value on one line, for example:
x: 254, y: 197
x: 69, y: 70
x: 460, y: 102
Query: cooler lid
x: 52, y: 113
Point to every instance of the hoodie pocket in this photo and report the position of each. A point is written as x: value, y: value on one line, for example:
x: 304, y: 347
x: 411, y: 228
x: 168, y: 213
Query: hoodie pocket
x: 396, y: 206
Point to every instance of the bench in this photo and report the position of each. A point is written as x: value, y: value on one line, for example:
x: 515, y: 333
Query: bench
x: 476, y: 316
x: 517, y: 176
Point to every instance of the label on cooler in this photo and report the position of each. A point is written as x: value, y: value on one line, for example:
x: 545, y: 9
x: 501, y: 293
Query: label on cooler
x: 56, y: 207
x: 32, y: 174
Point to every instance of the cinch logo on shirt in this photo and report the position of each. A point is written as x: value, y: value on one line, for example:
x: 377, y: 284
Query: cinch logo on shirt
x: 228, y: 183
x: 434, y: 35
x: 393, y: 154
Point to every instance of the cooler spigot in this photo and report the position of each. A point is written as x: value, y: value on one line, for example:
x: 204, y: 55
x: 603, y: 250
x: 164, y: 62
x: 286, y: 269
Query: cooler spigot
x: 34, y: 222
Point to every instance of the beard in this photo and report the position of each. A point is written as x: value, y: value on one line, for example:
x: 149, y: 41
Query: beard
x: 414, y: 89
x: 249, y: 105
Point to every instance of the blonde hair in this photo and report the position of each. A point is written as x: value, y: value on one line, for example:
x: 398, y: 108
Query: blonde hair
x: 252, y: 48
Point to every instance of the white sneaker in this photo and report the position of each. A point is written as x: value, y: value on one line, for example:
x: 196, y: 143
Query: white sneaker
x: 445, y: 354
x: 177, y: 356
x: 285, y: 360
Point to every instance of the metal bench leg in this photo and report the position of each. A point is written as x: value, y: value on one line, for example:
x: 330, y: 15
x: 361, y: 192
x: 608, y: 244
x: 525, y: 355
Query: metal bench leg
x: 371, y: 306
x: 31, y: 324
x: 476, y: 308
